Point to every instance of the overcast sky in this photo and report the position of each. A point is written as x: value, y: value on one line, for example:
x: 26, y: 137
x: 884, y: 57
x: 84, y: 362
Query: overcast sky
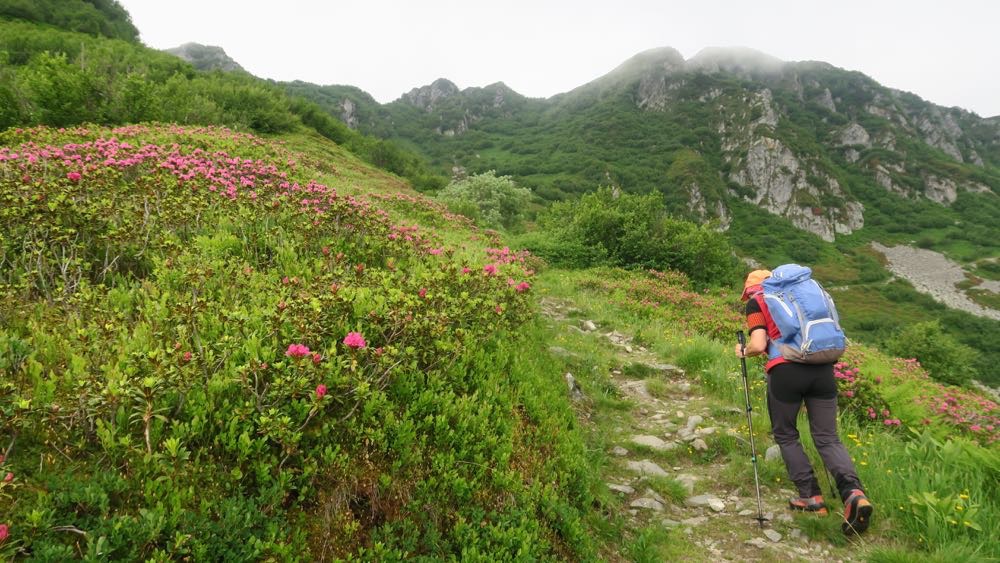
x: 945, y: 52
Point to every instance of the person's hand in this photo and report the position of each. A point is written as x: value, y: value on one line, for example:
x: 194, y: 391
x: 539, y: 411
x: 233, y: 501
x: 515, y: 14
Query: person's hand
x: 739, y: 351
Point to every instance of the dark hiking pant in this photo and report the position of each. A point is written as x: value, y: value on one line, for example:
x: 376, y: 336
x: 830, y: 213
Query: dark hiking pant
x: 788, y: 386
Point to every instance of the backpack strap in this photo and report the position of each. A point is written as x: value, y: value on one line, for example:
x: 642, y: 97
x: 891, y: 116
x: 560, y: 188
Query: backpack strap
x: 774, y: 356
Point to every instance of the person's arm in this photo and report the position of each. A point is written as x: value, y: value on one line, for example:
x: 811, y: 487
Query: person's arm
x: 757, y: 327
x: 757, y: 344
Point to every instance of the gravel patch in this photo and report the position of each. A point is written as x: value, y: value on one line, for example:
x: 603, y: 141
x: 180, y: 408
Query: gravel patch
x: 933, y: 273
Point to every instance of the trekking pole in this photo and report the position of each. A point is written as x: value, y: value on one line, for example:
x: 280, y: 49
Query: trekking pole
x: 753, y: 448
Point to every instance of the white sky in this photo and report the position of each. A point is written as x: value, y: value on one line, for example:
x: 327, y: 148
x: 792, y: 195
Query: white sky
x: 945, y: 52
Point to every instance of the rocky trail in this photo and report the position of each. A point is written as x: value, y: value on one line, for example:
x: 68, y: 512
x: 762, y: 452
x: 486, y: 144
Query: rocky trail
x: 666, y: 467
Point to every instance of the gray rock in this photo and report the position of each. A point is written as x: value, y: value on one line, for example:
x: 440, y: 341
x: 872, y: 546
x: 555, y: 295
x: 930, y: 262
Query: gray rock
x: 668, y: 523
x: 647, y: 503
x: 796, y: 534
x: 589, y: 326
x: 717, y: 505
x: 559, y: 351
x: 772, y: 453
x: 699, y: 445
x: 688, y: 481
x: 619, y: 451
x: 706, y: 431
x: 696, y: 521
x: 653, y: 442
x: 693, y: 421
x: 757, y: 542
x: 623, y: 489
x: 628, y: 349
x: 746, y: 512
x: 575, y: 392
x: 647, y: 467
x: 772, y: 535
x: 701, y: 500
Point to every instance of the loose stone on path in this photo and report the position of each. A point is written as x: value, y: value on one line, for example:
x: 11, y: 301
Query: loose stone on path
x: 653, y: 442
x: 647, y: 467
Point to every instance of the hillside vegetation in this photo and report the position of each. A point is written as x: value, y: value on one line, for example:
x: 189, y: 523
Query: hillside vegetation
x: 61, y: 78
x: 796, y: 162
x: 257, y: 342
x: 217, y: 353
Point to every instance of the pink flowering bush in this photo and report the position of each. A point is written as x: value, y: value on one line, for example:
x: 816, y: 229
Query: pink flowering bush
x: 297, y: 351
x: 202, y: 328
x: 355, y: 340
x: 859, y: 396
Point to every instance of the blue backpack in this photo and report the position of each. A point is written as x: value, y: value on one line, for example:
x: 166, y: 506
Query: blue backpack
x: 805, y: 316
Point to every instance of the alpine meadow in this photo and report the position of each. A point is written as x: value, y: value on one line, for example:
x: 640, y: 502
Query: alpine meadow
x: 252, y: 320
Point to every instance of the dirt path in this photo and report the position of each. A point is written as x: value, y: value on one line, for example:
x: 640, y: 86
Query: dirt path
x: 673, y: 432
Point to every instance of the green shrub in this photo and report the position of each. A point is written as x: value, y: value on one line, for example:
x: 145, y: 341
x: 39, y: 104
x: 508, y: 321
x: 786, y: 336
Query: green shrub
x: 488, y: 199
x: 632, y: 231
x: 944, y: 358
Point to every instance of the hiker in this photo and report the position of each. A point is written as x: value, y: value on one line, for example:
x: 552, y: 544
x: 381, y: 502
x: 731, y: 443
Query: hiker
x: 789, y: 384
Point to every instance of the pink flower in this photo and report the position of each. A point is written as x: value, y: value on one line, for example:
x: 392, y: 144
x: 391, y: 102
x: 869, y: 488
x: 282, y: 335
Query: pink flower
x: 498, y: 309
x: 317, y: 358
x: 285, y: 280
x: 466, y: 270
x: 4, y: 532
x: 511, y: 282
x: 435, y: 251
x: 297, y: 351
x: 490, y: 269
x: 423, y: 292
x: 355, y: 340
x: 187, y: 356
x: 74, y: 176
x: 522, y: 287
x: 974, y: 428
x: 320, y: 391
x: 848, y: 393
x: 8, y: 478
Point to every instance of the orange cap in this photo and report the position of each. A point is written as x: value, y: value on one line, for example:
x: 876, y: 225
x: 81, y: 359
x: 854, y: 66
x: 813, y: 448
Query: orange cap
x: 754, y: 278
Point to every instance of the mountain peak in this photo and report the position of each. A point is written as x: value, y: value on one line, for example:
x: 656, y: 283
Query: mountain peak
x: 661, y: 58
x: 426, y: 97
x: 737, y: 60
x: 205, y: 57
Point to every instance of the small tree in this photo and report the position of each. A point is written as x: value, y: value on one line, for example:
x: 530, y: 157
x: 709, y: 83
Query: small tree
x: 487, y: 199
x: 945, y: 358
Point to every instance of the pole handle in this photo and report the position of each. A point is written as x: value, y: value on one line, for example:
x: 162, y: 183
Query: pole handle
x: 741, y: 338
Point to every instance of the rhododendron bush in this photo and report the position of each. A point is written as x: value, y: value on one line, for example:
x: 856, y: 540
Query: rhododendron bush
x: 206, y: 352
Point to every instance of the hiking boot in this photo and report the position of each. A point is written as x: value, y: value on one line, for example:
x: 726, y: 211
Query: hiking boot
x: 809, y: 504
x: 857, y: 513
